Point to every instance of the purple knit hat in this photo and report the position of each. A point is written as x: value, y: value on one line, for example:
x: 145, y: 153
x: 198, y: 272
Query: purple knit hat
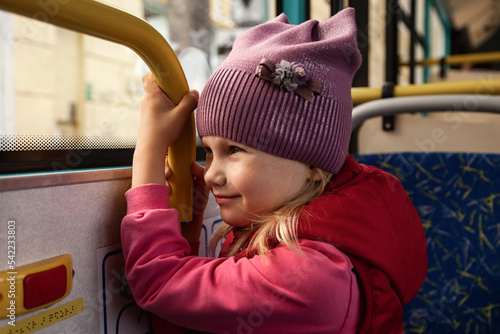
x: 286, y: 90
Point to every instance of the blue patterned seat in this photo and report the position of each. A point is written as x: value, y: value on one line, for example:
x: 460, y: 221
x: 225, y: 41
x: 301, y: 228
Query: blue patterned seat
x: 458, y: 198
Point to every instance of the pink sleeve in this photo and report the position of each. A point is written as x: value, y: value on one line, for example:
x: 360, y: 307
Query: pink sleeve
x: 288, y: 293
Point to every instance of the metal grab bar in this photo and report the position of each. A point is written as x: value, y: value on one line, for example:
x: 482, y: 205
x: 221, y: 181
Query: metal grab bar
x: 434, y: 103
x: 478, y: 87
x: 115, y: 25
x: 473, y: 58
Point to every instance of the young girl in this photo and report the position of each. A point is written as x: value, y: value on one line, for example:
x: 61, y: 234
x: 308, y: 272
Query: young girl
x: 315, y: 242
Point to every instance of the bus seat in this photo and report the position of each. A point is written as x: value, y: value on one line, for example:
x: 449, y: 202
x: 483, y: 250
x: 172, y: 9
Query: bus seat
x: 457, y: 196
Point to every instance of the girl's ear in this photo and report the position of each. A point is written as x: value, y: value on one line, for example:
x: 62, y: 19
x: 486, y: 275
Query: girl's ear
x: 315, y: 174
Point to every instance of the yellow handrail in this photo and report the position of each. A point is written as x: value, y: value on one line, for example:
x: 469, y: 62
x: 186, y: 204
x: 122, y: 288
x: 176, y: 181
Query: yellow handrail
x: 473, y: 58
x: 479, y: 87
x: 115, y: 25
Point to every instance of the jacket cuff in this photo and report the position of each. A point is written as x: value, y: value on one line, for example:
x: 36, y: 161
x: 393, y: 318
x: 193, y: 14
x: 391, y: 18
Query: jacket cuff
x: 147, y: 197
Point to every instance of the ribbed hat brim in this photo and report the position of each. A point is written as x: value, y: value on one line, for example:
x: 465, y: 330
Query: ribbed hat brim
x: 265, y: 117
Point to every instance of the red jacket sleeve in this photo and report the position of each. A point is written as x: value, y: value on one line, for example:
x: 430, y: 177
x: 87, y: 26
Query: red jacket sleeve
x: 286, y: 293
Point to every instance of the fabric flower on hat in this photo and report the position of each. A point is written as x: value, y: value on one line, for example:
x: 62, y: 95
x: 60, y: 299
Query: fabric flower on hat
x: 284, y: 76
x: 300, y: 75
x: 289, y: 76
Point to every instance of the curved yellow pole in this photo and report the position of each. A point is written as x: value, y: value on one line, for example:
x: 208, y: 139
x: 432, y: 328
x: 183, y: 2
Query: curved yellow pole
x: 115, y: 25
x: 479, y: 87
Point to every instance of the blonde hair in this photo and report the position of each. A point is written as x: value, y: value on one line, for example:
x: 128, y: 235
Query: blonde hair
x: 280, y: 225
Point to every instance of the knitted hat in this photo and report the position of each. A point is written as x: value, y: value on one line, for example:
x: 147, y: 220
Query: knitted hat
x: 286, y: 90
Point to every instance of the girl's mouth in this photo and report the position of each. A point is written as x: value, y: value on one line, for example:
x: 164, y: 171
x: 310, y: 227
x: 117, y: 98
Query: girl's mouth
x: 223, y: 199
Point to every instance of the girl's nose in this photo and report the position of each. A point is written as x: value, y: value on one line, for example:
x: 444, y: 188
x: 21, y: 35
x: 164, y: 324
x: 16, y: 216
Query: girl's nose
x: 214, y: 173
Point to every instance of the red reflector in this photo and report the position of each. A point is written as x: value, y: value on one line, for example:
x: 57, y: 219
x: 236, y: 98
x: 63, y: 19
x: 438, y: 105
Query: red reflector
x: 45, y: 287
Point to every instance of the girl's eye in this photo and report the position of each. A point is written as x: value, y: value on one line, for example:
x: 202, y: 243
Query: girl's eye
x: 235, y: 149
x: 207, y: 150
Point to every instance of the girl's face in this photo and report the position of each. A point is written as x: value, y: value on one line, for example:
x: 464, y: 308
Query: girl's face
x: 248, y: 183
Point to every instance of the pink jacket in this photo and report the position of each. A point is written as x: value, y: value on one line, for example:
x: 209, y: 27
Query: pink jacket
x: 290, y: 293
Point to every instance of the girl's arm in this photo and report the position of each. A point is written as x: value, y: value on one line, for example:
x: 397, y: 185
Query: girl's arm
x: 160, y: 124
x: 289, y: 293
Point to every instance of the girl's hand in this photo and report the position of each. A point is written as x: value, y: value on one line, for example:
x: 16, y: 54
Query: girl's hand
x: 160, y: 124
x: 201, y: 192
x: 200, y: 198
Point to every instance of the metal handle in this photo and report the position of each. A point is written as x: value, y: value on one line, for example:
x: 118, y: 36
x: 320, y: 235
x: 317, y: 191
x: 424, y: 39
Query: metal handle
x: 473, y: 58
x: 425, y: 103
x: 480, y: 87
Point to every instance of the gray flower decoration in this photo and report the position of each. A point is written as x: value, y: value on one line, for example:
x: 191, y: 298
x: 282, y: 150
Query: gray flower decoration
x: 283, y: 76
x: 290, y: 77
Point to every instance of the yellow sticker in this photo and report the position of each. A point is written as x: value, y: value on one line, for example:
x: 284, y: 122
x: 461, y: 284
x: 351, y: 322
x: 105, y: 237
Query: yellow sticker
x: 44, y: 319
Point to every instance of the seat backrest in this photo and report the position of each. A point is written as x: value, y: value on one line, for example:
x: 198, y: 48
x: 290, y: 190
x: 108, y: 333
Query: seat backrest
x: 457, y: 196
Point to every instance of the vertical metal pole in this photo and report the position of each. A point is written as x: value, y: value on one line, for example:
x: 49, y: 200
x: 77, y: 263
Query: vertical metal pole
x: 427, y: 38
x: 279, y: 7
x: 413, y: 33
x: 391, y: 57
x: 445, y: 21
x: 361, y: 77
x: 391, y: 42
x: 295, y: 10
x: 362, y: 13
x: 336, y: 6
